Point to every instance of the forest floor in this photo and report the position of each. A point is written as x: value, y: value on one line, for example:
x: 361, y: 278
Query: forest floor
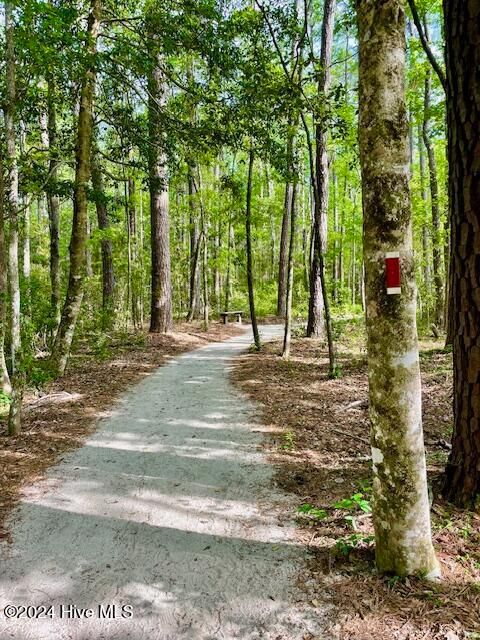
x: 168, y: 507
x: 317, y: 437
x: 59, y: 416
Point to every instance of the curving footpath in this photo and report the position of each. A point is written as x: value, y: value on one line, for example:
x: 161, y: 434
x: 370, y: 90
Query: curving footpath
x: 164, y: 525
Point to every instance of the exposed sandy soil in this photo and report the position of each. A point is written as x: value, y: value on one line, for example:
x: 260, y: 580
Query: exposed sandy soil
x: 63, y: 414
x: 169, y: 508
x: 318, y: 439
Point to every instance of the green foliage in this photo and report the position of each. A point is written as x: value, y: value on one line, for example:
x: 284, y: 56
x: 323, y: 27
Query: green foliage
x: 357, y: 501
x: 344, y: 546
x: 4, y: 399
x: 288, y: 441
x: 336, y: 372
x: 312, y: 512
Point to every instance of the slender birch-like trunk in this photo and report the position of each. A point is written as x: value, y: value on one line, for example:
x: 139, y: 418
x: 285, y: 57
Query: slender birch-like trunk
x: 400, y: 508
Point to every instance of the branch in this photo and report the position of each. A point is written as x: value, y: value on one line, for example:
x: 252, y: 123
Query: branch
x: 276, y: 45
x: 426, y: 46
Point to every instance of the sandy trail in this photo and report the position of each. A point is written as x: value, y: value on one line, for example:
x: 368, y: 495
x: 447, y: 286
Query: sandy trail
x: 168, y: 508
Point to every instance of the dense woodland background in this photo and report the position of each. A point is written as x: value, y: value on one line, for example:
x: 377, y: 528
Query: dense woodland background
x: 226, y: 91
x: 169, y: 161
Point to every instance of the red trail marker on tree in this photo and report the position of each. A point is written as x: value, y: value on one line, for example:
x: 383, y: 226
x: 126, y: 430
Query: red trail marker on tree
x: 392, y: 272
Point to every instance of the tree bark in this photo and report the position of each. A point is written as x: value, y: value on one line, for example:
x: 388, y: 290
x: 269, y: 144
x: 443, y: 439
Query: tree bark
x: 462, y: 33
x: 5, y: 385
x: 290, y: 272
x: 316, y: 308
x: 437, y: 247
x: 194, y: 308
x: 14, y: 418
x: 228, y: 277
x: 78, y: 242
x: 137, y: 319
x: 423, y: 193
x: 283, y: 253
x: 161, y: 318
x: 401, y: 508
x: 317, y: 324
x: 53, y: 205
x: 248, y: 229
x: 108, y: 277
x: 27, y: 263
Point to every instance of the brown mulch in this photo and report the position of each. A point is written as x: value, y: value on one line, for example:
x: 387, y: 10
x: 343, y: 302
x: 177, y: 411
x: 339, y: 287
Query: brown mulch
x: 62, y: 415
x: 318, y: 439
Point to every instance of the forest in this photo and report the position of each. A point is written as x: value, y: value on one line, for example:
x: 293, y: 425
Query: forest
x: 169, y: 168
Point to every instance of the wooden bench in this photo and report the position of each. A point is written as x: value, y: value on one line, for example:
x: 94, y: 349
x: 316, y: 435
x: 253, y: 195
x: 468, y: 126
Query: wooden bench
x: 238, y: 315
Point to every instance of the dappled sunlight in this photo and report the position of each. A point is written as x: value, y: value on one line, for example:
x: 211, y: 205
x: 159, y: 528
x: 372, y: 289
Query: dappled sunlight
x: 186, y: 451
x: 169, y: 508
x: 190, y: 513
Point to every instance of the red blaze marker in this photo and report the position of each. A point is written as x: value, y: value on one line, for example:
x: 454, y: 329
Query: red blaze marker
x: 392, y: 272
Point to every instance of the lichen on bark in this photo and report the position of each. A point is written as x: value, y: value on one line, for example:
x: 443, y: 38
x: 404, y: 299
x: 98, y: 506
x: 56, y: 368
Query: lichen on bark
x: 401, y: 509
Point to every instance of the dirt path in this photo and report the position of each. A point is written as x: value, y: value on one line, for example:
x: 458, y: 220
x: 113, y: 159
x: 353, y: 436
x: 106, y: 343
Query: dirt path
x: 168, y: 508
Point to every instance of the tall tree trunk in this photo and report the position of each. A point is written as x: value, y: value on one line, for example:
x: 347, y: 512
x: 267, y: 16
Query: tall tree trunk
x: 462, y: 33
x: 206, y: 297
x: 14, y: 418
x: 217, y: 275
x: 5, y: 385
x: 283, y: 253
x: 134, y: 267
x: 228, y: 277
x: 423, y: 193
x: 78, y: 242
x: 108, y: 277
x: 317, y: 320
x: 335, y: 242
x: 436, y: 236
x: 248, y: 229
x: 161, y: 319
x: 194, y: 308
x: 27, y: 266
x: 53, y: 205
x: 305, y: 239
x: 290, y: 272
x: 401, y: 508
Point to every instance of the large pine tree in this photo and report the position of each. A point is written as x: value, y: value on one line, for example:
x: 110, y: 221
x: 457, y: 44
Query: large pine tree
x: 462, y: 33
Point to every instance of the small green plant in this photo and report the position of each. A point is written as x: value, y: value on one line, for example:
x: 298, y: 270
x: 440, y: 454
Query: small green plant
x: 101, y: 348
x: 39, y: 376
x: 298, y: 332
x: 336, y: 372
x: 392, y: 581
x: 4, y: 399
x: 358, y: 500
x: 344, y: 546
x: 288, y: 441
x: 312, y: 511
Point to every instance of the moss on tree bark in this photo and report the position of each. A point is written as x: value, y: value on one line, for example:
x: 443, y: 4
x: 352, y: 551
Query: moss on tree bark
x: 401, y: 508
